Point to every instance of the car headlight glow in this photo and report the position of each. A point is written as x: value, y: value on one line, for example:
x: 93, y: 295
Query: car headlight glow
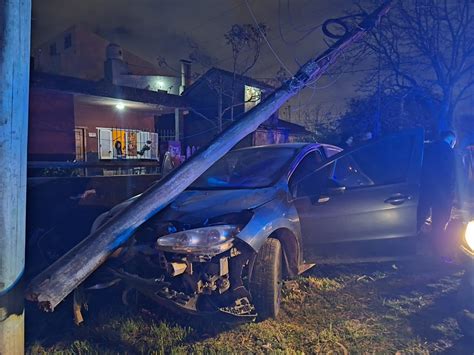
x: 469, y: 235
x: 204, y: 241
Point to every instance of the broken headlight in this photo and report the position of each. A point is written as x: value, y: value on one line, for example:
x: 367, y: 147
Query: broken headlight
x: 204, y: 241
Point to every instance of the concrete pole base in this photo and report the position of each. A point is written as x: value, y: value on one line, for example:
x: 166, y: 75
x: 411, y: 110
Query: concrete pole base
x: 12, y: 334
x: 12, y: 321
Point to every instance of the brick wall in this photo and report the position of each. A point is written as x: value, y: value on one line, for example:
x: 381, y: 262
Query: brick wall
x: 51, y: 126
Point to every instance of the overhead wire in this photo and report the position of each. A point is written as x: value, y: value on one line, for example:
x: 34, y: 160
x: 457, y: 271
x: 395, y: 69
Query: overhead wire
x: 265, y: 37
x: 282, y: 63
x: 306, y: 33
x: 266, y: 40
x: 325, y: 28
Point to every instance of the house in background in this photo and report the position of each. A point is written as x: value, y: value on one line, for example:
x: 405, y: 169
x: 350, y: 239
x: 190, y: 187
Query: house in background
x: 217, y: 99
x: 87, y: 94
x: 91, y: 100
x: 78, y: 52
x: 117, y: 72
x: 76, y: 119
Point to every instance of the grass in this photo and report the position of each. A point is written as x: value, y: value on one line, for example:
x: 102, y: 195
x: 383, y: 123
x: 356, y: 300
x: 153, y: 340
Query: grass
x: 407, y: 309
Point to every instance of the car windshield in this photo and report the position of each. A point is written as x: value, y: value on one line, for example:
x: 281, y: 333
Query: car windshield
x: 247, y: 168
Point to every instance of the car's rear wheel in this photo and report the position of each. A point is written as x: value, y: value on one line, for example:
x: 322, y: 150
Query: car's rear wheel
x: 266, y: 282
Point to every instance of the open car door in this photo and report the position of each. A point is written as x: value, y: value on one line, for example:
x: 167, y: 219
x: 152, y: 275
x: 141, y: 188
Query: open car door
x: 367, y: 197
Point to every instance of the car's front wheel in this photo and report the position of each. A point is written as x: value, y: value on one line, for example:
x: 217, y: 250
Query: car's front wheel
x: 266, y: 282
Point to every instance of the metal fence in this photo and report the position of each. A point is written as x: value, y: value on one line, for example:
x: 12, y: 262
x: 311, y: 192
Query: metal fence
x: 165, y: 135
x: 100, y: 168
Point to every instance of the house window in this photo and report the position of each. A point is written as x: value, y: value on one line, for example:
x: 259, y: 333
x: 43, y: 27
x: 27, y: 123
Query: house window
x: 67, y: 41
x: 52, y: 49
x: 116, y: 143
x: 252, y: 96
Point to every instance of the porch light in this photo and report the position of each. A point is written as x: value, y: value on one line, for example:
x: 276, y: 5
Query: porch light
x: 120, y: 106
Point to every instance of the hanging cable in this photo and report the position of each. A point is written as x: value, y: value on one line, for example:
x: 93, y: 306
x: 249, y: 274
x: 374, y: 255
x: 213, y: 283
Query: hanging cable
x: 266, y: 40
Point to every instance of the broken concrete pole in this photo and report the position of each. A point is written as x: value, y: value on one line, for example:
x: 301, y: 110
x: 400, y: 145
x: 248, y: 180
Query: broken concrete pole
x: 50, y: 287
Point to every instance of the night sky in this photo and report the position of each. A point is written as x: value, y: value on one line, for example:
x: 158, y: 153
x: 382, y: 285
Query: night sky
x: 153, y: 28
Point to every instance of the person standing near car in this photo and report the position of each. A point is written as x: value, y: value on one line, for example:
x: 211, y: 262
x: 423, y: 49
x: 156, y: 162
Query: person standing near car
x: 438, y: 181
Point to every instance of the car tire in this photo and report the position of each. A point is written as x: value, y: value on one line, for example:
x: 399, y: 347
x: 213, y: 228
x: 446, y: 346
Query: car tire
x: 266, y: 282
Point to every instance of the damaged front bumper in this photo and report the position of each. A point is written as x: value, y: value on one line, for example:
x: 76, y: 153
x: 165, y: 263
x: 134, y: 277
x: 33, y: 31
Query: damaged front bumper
x: 159, y: 291
x: 200, y: 285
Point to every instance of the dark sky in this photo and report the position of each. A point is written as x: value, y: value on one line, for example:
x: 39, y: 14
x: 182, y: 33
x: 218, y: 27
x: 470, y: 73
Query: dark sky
x: 153, y: 28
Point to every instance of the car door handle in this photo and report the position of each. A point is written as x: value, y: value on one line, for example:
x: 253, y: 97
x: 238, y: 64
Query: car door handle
x: 315, y: 200
x: 397, y: 199
x: 323, y: 199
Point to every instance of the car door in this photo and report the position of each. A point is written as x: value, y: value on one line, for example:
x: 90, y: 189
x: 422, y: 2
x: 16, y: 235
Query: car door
x: 369, y: 193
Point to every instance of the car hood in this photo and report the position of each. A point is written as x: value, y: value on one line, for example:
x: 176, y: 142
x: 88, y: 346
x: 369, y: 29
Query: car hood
x: 192, y: 206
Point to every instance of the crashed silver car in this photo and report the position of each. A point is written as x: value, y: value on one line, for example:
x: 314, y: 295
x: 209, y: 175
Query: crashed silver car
x: 262, y: 214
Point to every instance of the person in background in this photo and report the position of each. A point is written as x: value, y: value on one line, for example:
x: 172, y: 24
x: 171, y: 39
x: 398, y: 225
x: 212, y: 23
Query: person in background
x: 168, y: 164
x: 118, y: 150
x: 145, y: 148
x: 438, y: 186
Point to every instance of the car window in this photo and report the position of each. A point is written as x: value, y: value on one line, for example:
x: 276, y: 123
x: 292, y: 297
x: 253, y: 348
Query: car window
x: 348, y: 173
x: 379, y: 163
x: 302, y: 180
x: 246, y: 169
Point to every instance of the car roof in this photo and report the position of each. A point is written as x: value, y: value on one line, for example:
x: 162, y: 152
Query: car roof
x: 295, y: 146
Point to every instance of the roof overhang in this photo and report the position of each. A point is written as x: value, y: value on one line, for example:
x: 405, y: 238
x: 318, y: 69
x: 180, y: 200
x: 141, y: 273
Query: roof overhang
x: 104, y: 93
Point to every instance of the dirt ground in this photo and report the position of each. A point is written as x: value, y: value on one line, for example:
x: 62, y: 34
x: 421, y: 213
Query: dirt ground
x: 401, y: 307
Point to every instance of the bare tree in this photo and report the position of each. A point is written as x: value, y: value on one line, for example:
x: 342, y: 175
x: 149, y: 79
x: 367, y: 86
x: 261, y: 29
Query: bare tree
x: 245, y: 41
x: 226, y: 96
x: 426, y: 46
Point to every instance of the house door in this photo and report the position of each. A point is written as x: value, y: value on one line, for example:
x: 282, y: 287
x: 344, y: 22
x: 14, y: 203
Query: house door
x: 105, y: 143
x: 80, y: 137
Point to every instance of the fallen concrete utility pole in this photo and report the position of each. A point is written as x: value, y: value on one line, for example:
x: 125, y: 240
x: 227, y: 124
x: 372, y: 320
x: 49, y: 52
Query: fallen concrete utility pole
x: 50, y: 287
